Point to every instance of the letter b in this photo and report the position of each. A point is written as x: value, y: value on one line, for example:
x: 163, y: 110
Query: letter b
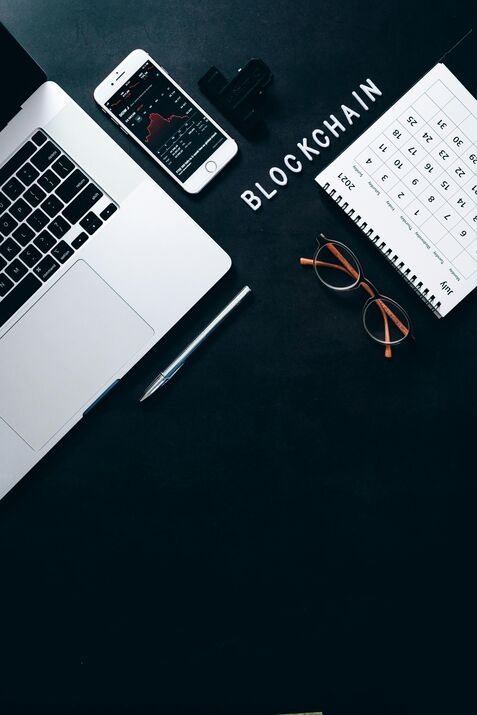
x: 251, y: 199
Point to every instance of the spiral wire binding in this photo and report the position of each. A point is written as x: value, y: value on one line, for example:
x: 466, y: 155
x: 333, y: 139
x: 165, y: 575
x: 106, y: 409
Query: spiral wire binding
x: 406, y: 273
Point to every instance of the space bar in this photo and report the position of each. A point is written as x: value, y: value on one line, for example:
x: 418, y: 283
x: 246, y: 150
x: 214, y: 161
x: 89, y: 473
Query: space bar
x: 19, y: 295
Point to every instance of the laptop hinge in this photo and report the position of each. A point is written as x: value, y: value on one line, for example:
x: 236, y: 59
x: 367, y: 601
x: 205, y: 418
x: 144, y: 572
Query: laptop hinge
x: 23, y: 77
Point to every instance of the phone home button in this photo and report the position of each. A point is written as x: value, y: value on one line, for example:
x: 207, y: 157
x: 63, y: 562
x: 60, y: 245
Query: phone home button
x: 211, y: 166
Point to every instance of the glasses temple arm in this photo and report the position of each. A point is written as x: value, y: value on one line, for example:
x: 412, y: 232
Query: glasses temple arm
x: 337, y: 253
x: 348, y: 268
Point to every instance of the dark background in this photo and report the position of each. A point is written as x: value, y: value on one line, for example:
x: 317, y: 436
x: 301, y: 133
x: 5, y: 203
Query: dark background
x: 289, y: 525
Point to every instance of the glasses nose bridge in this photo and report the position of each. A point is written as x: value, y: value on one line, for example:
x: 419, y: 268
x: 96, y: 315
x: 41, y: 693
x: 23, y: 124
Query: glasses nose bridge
x: 371, y: 285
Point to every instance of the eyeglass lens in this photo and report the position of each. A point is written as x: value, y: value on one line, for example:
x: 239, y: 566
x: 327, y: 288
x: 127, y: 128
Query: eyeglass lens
x: 385, y: 321
x: 337, y: 267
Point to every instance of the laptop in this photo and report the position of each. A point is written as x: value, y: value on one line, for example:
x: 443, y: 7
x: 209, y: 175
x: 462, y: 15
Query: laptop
x: 97, y: 263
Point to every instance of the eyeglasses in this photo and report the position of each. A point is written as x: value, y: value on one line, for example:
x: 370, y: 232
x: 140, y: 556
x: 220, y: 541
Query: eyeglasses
x: 338, y: 269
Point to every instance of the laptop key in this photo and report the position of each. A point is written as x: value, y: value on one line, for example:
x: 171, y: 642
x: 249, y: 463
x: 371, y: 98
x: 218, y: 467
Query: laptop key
x: 30, y: 256
x: 13, y: 164
x: 79, y: 240
x: 37, y: 220
x: 18, y: 296
x: 39, y: 138
x: 5, y: 285
x: 7, y: 224
x: 59, y: 226
x: 4, y: 202
x: 46, y: 267
x: 13, y: 188
x: 23, y: 234
x: 49, y: 181
x: 91, y: 223
x: 20, y: 209
x: 44, y: 241
x: 45, y: 156
x: 71, y: 186
x: 3, y: 263
x: 16, y: 270
x: 34, y: 195
x: 82, y: 203
x: 62, y: 251
x: 28, y: 174
x: 108, y: 211
x: 63, y: 166
x: 52, y: 205
x: 9, y: 249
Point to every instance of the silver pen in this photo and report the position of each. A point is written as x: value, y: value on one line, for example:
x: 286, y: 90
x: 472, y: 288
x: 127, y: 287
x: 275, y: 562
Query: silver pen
x: 171, y: 369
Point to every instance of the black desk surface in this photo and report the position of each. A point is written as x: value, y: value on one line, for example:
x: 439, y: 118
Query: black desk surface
x: 289, y: 525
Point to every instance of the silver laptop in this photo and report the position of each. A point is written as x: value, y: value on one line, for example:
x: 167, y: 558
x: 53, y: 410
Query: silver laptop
x: 97, y: 263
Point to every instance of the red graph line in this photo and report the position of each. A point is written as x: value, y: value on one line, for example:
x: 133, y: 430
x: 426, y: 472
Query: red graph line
x: 126, y: 96
x: 157, y: 122
x: 115, y: 104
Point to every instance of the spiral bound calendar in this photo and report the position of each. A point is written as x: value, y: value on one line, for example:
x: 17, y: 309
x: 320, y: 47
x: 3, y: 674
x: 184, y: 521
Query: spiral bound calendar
x: 410, y: 183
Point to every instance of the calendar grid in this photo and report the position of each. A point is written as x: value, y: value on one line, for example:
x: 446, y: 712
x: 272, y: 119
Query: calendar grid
x: 425, y: 161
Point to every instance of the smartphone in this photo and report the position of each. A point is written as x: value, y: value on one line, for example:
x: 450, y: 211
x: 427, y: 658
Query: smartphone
x: 143, y: 99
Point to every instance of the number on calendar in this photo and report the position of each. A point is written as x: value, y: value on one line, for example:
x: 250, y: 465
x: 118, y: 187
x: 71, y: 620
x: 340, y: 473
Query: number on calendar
x: 438, y: 171
x: 346, y: 181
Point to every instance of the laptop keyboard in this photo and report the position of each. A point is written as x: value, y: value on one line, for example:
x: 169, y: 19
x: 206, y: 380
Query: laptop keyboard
x: 49, y: 208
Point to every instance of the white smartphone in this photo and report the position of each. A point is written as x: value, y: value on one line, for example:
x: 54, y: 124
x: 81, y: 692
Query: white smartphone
x: 154, y: 110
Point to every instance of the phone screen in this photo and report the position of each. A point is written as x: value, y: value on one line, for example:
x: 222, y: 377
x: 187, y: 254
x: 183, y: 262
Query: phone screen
x: 165, y: 121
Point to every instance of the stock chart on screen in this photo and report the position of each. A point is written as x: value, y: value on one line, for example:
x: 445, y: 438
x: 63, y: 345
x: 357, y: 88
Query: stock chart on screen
x: 165, y: 121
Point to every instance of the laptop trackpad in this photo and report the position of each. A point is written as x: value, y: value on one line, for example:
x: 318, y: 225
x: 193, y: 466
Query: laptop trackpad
x: 66, y: 348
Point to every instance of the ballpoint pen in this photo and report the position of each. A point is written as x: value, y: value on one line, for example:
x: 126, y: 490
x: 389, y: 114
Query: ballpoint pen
x: 171, y: 369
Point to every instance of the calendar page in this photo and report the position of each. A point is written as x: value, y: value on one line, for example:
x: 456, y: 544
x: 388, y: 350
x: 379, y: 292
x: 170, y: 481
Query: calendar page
x: 410, y: 183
